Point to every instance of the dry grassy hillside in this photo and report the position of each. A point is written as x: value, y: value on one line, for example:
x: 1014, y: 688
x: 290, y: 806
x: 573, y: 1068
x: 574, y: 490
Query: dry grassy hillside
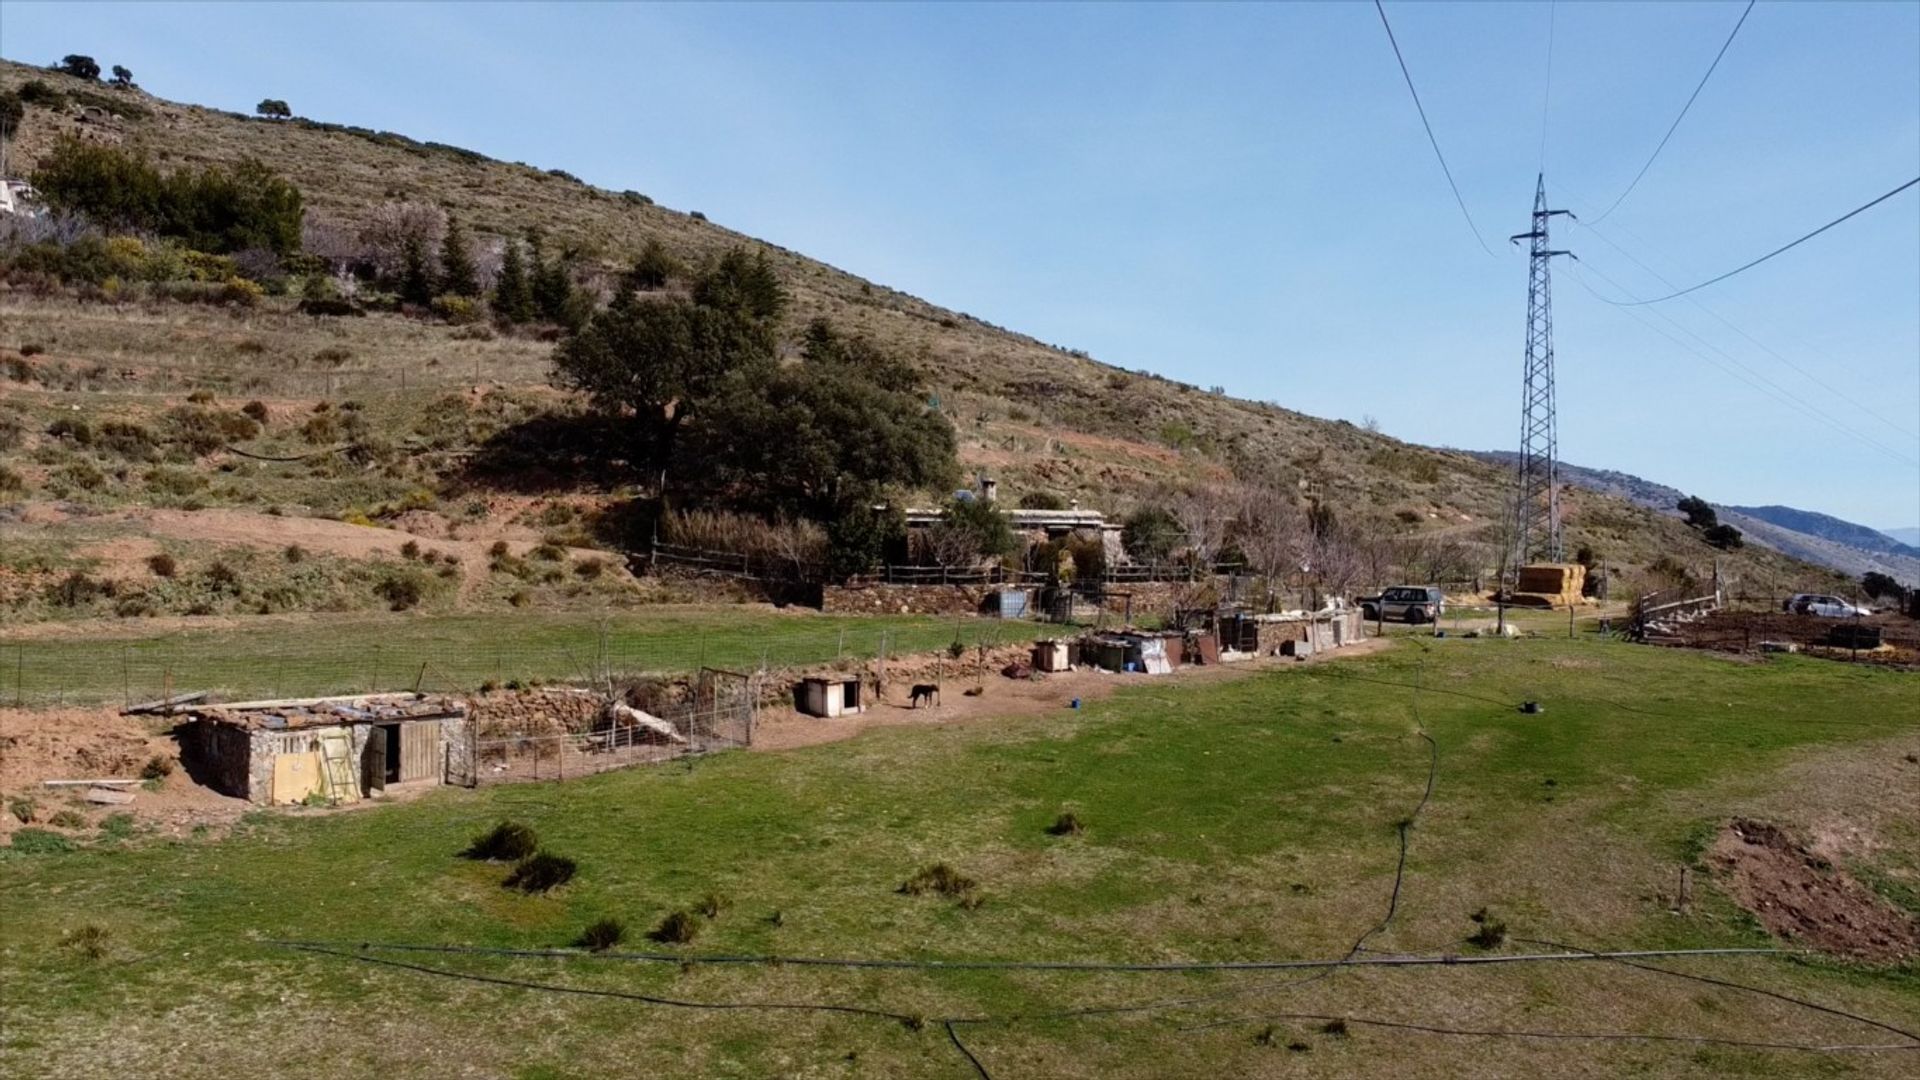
x: 431, y: 394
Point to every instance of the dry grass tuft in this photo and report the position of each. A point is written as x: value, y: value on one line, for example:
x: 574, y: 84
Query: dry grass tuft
x: 938, y: 878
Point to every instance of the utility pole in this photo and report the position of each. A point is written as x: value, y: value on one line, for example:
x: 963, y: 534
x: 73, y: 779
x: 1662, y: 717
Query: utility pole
x: 1536, y: 494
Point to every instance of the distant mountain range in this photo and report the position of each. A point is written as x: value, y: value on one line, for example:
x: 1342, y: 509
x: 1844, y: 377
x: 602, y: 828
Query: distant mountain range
x: 1908, y: 536
x: 1804, y: 534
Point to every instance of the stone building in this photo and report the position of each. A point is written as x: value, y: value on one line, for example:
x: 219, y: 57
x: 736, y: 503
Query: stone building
x: 338, y: 749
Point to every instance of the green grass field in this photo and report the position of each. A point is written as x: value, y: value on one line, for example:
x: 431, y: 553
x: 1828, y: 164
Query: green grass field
x: 357, y: 653
x: 1239, y: 819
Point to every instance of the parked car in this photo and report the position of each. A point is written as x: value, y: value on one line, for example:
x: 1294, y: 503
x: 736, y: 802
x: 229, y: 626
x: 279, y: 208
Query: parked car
x: 1404, y: 603
x: 1827, y: 607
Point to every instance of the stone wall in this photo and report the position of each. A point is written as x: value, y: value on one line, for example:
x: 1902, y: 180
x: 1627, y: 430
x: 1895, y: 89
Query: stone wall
x: 554, y: 711
x: 882, y: 599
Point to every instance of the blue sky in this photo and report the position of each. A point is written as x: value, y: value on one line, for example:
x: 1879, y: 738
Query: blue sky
x: 1237, y: 195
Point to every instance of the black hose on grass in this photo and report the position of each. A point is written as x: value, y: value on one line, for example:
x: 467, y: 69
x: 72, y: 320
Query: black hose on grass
x: 1711, y: 981
x: 1094, y: 966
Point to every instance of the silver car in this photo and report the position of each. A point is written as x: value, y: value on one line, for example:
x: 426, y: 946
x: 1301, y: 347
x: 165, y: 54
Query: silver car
x: 1825, y: 606
x: 1404, y: 603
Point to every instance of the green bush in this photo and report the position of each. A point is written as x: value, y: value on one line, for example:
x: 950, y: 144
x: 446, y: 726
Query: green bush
x: 40, y: 842
x: 678, y: 928
x: 508, y: 841
x: 541, y: 872
x: 602, y: 935
x: 217, y: 208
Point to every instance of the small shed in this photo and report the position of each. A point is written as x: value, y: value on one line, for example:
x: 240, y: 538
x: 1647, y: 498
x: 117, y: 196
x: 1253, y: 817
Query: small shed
x: 1127, y: 650
x: 1053, y: 655
x: 830, y: 695
x: 339, y: 749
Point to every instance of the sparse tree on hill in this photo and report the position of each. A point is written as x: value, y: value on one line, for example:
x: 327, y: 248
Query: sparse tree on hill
x: 654, y: 268
x: 551, y: 282
x: 1724, y: 537
x: 80, y: 67
x: 457, y: 275
x: 814, y: 438
x: 1700, y: 513
x: 742, y: 283
x: 122, y: 78
x: 1150, y: 534
x: 512, y: 293
x: 12, y: 111
x: 1879, y: 586
x: 416, y: 278
x: 273, y: 109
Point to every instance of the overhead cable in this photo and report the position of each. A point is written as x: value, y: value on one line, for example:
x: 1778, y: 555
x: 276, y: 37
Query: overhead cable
x: 1675, y: 126
x: 1782, y: 249
x: 1429, y: 126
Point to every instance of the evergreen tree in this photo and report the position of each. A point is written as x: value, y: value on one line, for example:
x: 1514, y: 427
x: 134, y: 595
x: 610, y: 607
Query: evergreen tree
x: 654, y: 268
x: 457, y: 275
x: 551, y: 283
x: 416, y: 280
x: 512, y: 294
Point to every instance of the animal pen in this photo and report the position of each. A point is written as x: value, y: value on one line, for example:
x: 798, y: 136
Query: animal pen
x: 584, y: 733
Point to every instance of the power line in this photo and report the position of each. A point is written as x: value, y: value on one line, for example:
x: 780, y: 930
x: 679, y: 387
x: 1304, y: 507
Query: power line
x: 1756, y: 342
x: 1424, y: 123
x: 1738, y: 370
x: 1776, y: 251
x: 1683, y: 112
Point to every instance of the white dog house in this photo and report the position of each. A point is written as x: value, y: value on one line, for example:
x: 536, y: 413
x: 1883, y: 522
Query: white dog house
x: 831, y: 695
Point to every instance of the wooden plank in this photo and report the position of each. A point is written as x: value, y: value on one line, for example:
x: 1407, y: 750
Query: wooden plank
x: 109, y: 796
x: 89, y: 783
x: 167, y: 703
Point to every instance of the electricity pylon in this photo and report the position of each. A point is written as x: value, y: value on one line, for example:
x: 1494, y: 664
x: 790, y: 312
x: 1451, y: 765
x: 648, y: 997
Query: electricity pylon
x: 1535, y: 535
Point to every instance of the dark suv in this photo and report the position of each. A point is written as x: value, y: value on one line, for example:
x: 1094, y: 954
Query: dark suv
x: 1404, y: 603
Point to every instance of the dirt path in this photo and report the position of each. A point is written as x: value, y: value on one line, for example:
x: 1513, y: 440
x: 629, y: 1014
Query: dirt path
x: 1002, y: 698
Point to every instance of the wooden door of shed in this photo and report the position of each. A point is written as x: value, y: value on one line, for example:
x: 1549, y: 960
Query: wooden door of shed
x: 422, y: 754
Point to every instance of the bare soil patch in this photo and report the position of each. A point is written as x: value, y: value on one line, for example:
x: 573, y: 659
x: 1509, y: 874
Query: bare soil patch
x: 1000, y: 697
x: 1798, y: 895
x: 95, y: 744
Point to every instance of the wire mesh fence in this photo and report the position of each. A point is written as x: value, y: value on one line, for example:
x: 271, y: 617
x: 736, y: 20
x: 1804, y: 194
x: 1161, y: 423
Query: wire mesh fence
x: 457, y: 655
x: 718, y: 715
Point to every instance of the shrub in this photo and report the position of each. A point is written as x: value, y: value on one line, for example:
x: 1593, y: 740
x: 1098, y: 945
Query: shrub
x: 78, y: 589
x: 1067, y: 824
x: 1042, y: 500
x: 712, y: 904
x: 402, y: 589
x: 72, y: 429
x: 157, y: 768
x: 508, y: 841
x: 89, y: 940
x: 548, y: 551
x: 1336, y: 1028
x: 956, y: 648
x: 294, y: 553
x: 134, y: 442
x: 940, y: 878
x: 590, y: 568
x: 162, y: 565
x: 602, y: 935
x: 1151, y: 533
x: 520, y: 598
x: 216, y: 208
x: 11, y: 482
x: 22, y: 808
x: 256, y: 411
x: 117, y: 826
x: 1491, y: 932
x: 678, y: 928
x: 458, y: 310
x: 541, y: 872
x: 41, y: 841
x: 32, y: 349
x: 80, y: 67
x: 410, y: 549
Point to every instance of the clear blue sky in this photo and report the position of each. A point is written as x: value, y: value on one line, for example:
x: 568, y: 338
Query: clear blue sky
x: 1237, y: 195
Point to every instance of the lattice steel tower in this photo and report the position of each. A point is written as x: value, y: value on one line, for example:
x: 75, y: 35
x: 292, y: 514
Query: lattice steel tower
x: 1536, y: 495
